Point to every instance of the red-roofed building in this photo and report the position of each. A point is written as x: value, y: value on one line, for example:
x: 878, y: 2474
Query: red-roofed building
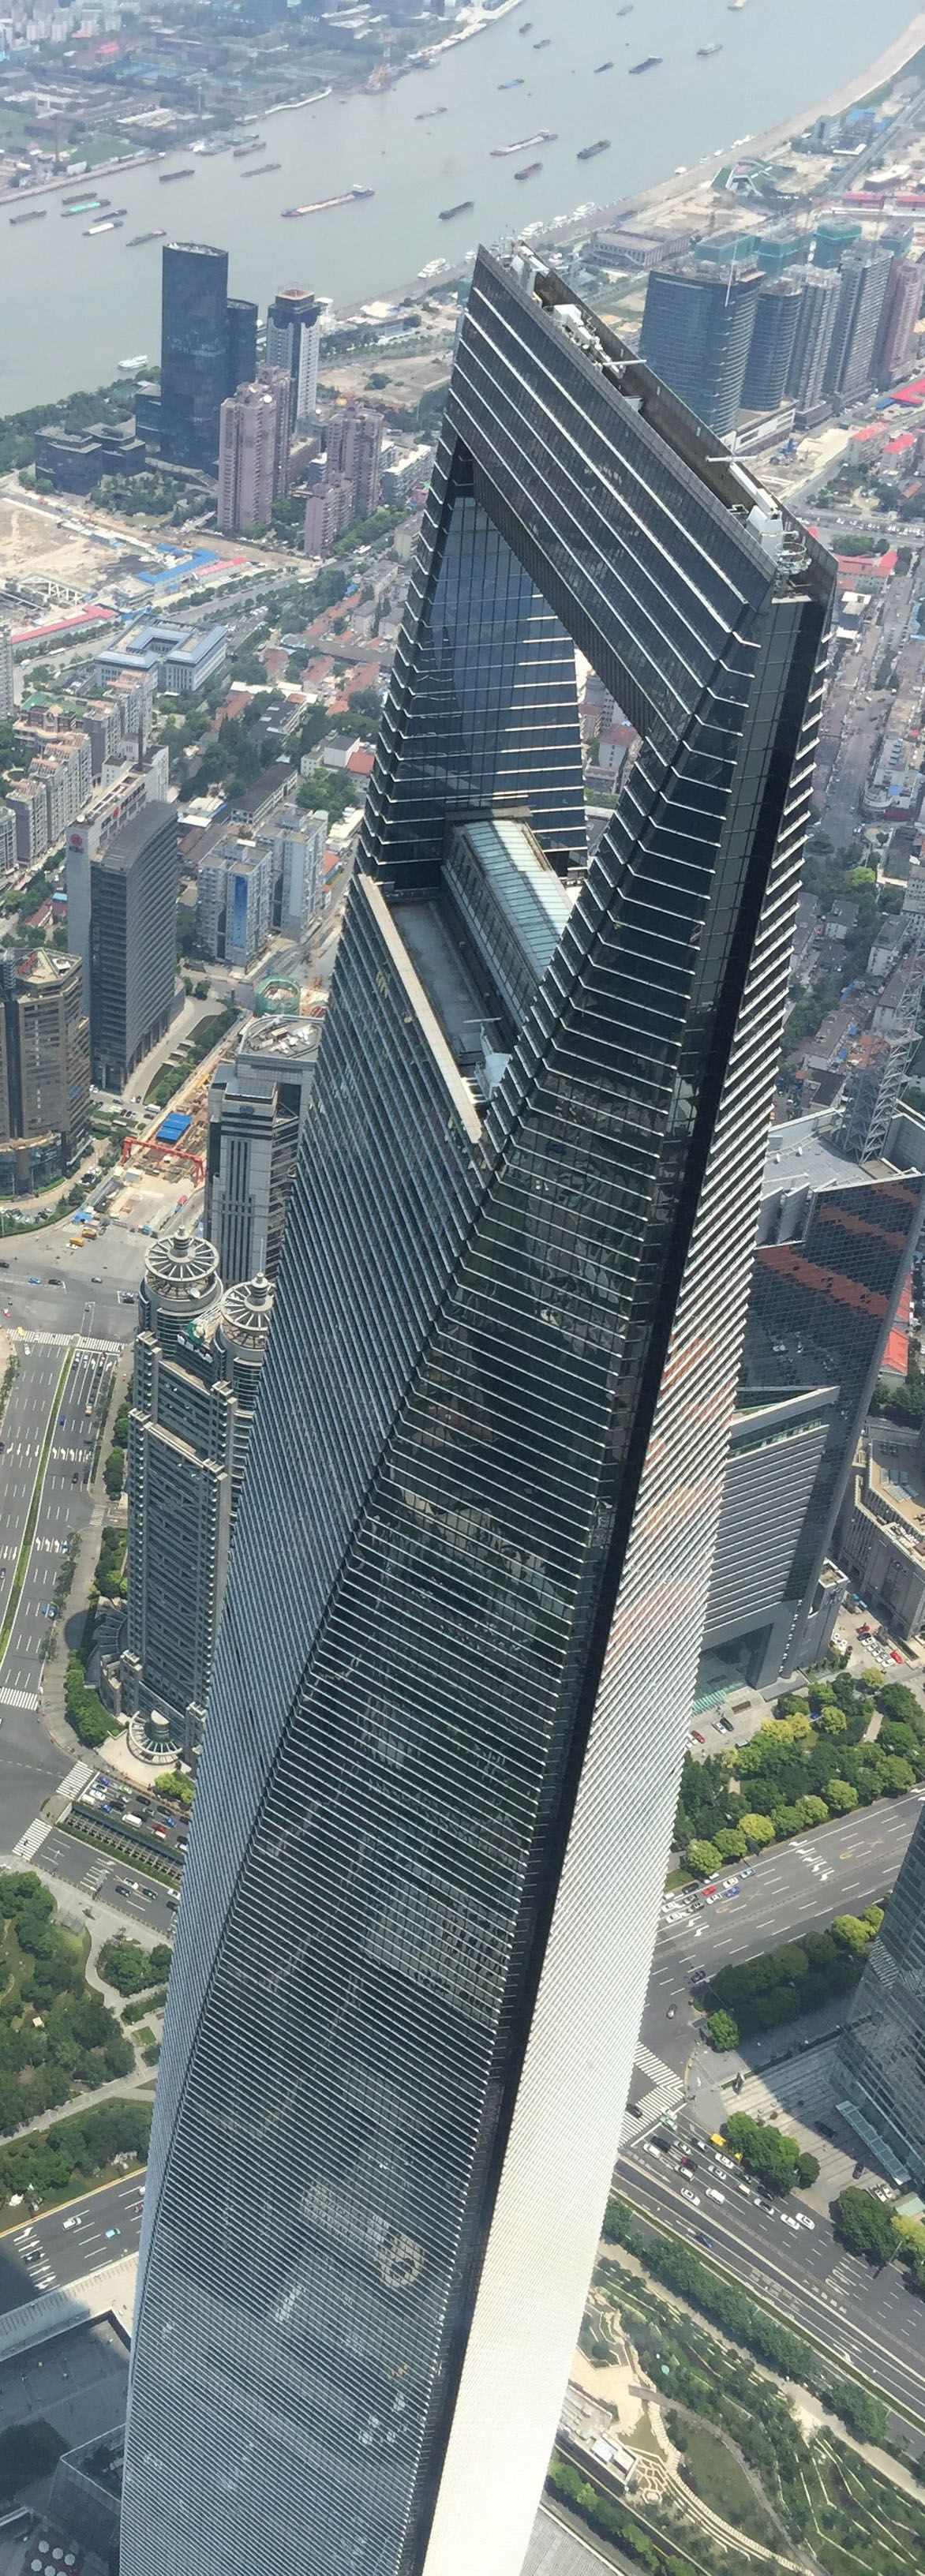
x: 895, y: 1361
x: 360, y: 763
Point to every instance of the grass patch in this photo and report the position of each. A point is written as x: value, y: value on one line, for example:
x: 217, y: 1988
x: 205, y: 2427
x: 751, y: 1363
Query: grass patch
x: 679, y: 1878
x: 713, y: 2474
x: 26, y: 1549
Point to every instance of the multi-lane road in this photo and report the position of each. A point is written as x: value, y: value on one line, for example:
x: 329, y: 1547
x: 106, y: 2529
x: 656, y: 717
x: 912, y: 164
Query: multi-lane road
x: 116, y: 1882
x: 57, y: 1396
x: 55, y: 2252
x: 865, y: 2318
x: 797, y: 1887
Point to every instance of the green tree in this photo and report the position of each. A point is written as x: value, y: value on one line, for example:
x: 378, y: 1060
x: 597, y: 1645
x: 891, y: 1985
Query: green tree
x: 174, y: 1784
x: 722, y: 2030
x: 831, y: 1720
x: 864, y: 2414
x: 897, y: 1700
x: 863, y: 2224
x: 758, y: 1831
x: 114, y: 1473
x: 841, y: 1799
x: 128, y: 1966
x: 852, y: 1933
x: 807, y: 2170
x: 731, y: 1842
x: 765, y: 2150
x: 705, y: 1857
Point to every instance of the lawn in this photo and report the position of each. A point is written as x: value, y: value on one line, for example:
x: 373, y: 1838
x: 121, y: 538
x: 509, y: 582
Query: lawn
x: 714, y: 2475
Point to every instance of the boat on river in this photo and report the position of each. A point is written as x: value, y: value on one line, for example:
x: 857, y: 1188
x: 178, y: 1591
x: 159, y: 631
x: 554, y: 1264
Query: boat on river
x: 321, y: 205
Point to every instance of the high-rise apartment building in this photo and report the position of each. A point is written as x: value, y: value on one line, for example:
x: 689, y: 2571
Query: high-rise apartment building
x: 253, y: 455
x: 257, y: 1109
x: 328, y: 512
x: 696, y: 334
x: 28, y: 802
x: 198, y: 1355
x: 294, y: 342
x: 902, y: 305
x: 133, y: 934
x: 194, y: 352
x: 354, y: 450
x: 452, y: 1684
x: 44, y: 1069
x: 880, y: 2069
x: 812, y: 337
x: 297, y: 841
x: 242, y: 319
x: 7, y: 673
x: 863, y: 278
x: 771, y: 348
x: 234, y: 902
x: 836, y: 1237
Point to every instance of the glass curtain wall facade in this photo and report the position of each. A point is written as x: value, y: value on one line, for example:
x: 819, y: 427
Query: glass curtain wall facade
x: 821, y: 1307
x: 881, y: 2060
x: 456, y: 1659
x: 194, y: 352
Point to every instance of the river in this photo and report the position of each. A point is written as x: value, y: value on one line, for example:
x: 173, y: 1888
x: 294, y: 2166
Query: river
x: 72, y: 307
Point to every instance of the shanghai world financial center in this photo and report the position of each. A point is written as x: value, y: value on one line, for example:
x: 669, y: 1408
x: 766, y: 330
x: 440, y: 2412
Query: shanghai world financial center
x: 465, y: 1604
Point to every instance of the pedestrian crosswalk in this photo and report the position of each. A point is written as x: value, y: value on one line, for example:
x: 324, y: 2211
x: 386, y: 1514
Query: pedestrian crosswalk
x: 19, y: 1699
x: 85, y: 1346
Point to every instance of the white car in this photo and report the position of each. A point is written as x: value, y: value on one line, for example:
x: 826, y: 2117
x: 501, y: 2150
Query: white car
x: 72, y: 2222
x: 692, y: 2196
x: 713, y: 2194
x: 789, y: 2222
x: 803, y: 2219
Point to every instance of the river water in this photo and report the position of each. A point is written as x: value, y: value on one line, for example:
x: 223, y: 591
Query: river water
x: 72, y: 307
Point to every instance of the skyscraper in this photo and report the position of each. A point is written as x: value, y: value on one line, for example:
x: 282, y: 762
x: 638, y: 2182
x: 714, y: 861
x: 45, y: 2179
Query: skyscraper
x: 294, y: 342
x: 835, y: 1241
x: 812, y: 337
x: 253, y: 454
x: 696, y: 334
x: 257, y: 1109
x: 7, y: 673
x: 453, y: 1678
x: 44, y: 1069
x: 194, y: 352
x: 198, y: 1355
x: 133, y: 936
x: 863, y: 279
x: 241, y: 319
x: 354, y: 448
x: 902, y: 305
x: 880, y: 2068
x: 771, y: 348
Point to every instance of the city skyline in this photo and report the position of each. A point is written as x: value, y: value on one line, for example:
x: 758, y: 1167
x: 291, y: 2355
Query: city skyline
x: 471, y: 1567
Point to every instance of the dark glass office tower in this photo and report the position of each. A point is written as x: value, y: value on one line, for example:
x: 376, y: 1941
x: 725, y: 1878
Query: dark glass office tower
x: 696, y: 333
x: 242, y: 343
x: 454, y: 1671
x: 881, y: 2059
x: 133, y: 942
x: 194, y: 352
